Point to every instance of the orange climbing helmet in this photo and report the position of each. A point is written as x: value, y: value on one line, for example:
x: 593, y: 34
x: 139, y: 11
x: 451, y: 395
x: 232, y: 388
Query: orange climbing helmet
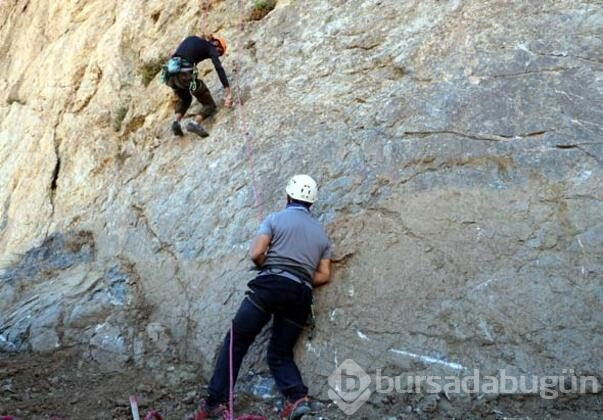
x: 221, y: 42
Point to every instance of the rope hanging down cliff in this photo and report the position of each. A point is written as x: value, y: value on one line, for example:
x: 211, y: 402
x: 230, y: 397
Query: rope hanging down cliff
x: 242, y: 118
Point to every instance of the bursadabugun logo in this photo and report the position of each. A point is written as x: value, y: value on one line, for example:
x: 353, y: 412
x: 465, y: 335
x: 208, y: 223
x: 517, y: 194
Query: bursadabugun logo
x: 349, y: 387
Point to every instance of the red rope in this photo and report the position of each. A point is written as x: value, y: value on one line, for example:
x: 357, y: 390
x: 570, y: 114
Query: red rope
x: 205, y: 7
x: 153, y: 415
x: 231, y: 378
x: 242, y: 118
x: 258, y: 201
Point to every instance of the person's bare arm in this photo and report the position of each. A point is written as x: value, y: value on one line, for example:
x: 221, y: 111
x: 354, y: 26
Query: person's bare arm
x: 322, y: 275
x: 258, y: 249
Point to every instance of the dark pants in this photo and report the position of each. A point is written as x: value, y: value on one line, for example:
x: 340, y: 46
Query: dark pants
x: 288, y: 303
x: 180, y: 84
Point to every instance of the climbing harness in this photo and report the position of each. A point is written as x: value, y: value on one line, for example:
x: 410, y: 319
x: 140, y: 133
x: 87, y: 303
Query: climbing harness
x: 193, y: 85
x: 183, y: 72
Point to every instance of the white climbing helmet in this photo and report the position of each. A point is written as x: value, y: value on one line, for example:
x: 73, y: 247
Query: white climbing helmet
x: 302, y: 188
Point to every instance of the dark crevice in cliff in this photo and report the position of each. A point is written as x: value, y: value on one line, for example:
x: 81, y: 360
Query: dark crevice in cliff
x: 167, y: 248
x: 6, y: 207
x: 477, y: 136
x: 566, y: 55
x: 141, y: 171
x: 527, y: 73
x: 579, y: 147
x: 472, y: 136
x: 163, y: 246
x: 532, y: 134
x: 54, y: 179
x: 55, y: 174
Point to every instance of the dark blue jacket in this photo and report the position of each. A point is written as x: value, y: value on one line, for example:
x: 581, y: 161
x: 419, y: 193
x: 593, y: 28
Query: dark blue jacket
x: 195, y: 50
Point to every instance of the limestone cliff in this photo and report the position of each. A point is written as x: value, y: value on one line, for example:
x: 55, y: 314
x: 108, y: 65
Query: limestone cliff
x: 458, y: 145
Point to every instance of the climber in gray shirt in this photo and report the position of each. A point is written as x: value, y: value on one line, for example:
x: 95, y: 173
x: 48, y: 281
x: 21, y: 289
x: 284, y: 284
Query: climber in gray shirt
x: 293, y: 254
x: 294, y: 243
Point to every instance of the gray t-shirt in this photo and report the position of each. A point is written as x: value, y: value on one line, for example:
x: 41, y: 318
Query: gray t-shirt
x: 298, y: 239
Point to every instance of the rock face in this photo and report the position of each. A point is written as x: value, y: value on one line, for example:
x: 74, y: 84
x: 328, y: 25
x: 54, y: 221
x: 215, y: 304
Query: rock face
x: 458, y: 145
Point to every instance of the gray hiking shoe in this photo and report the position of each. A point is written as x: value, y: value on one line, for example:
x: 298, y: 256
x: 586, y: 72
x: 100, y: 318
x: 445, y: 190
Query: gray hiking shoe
x: 176, y: 129
x: 196, y: 128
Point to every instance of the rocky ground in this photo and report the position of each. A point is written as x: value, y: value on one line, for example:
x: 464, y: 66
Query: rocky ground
x: 64, y: 386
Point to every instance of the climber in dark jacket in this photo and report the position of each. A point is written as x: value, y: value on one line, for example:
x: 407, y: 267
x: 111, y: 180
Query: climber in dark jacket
x: 184, y: 83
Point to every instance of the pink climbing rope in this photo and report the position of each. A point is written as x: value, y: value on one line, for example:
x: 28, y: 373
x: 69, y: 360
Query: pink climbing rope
x: 231, y: 376
x: 258, y: 205
x: 153, y: 415
x: 205, y: 7
x: 242, y: 118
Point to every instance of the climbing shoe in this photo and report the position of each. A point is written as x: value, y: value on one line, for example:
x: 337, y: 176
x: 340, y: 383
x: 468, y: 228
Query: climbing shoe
x: 206, y: 412
x: 196, y: 128
x: 176, y: 129
x: 296, y: 410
